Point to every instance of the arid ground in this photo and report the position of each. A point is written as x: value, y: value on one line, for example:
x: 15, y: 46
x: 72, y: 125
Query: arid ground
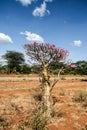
x: 16, y: 102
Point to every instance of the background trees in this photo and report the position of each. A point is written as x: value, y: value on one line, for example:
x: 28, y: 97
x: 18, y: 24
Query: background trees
x: 15, y: 63
x: 14, y: 60
x: 25, y: 69
x: 81, y: 67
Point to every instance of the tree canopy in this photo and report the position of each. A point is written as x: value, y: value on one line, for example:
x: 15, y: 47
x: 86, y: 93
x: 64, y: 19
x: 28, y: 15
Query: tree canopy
x: 45, y: 53
x: 14, y: 59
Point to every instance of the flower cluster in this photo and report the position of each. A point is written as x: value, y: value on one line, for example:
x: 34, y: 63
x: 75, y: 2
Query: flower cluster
x: 45, y: 51
x: 73, y: 66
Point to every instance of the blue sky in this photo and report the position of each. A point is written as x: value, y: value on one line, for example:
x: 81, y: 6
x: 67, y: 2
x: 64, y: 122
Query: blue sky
x: 62, y: 22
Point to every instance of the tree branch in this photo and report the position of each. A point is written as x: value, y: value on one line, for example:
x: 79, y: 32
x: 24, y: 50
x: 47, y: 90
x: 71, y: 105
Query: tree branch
x: 56, y: 79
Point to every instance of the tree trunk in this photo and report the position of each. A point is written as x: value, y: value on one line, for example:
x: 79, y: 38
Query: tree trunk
x: 47, y: 98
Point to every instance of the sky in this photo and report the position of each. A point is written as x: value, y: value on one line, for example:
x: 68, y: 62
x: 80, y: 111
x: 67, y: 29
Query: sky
x: 60, y: 22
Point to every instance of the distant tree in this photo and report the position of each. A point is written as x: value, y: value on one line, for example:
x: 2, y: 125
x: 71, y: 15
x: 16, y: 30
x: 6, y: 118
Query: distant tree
x: 81, y: 67
x: 14, y: 60
x: 25, y: 69
x: 36, y: 68
x: 81, y: 63
x: 46, y: 54
x: 0, y: 67
x: 56, y: 66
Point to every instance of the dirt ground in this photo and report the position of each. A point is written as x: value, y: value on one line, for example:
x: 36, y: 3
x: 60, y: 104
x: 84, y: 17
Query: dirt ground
x: 16, y: 102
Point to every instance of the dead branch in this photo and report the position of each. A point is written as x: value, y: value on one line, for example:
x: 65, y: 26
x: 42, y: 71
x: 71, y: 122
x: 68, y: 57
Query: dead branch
x: 56, y: 79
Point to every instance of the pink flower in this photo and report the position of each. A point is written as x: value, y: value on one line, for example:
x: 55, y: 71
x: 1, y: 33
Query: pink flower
x: 64, y: 57
x: 52, y: 45
x: 61, y: 51
x: 44, y: 44
x: 35, y: 43
x: 73, y: 66
x: 26, y: 46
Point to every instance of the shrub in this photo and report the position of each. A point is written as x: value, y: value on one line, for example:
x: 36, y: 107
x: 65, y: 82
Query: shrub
x: 38, y: 122
x: 24, y: 125
x: 84, y: 104
x: 60, y: 113
x: 62, y: 92
x: 38, y: 97
x: 84, y: 80
x: 4, y: 124
x: 80, y: 96
x: 85, y: 127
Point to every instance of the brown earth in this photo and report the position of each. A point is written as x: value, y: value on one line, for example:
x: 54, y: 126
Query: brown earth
x: 16, y: 102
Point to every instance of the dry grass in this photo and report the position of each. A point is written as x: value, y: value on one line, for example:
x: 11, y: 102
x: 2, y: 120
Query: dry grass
x: 16, y: 104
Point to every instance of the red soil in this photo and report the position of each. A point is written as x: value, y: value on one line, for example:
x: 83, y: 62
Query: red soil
x: 16, y: 103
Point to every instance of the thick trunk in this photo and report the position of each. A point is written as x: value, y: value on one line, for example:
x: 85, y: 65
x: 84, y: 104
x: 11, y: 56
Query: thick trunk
x: 47, y: 99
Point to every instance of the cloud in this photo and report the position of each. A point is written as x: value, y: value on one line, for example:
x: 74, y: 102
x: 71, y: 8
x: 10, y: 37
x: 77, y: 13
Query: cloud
x: 5, y: 38
x: 42, y: 10
x: 77, y: 43
x: 32, y: 36
x: 26, y: 2
x: 38, y: 11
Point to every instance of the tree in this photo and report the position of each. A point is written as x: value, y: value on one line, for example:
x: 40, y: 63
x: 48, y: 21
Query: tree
x: 56, y: 66
x: 81, y: 67
x: 25, y: 69
x: 45, y: 54
x: 14, y: 60
x: 36, y: 69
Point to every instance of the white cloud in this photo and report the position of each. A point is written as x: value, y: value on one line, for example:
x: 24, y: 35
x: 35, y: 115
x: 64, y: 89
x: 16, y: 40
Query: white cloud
x: 5, y: 38
x: 38, y: 11
x: 26, y: 2
x: 77, y: 43
x: 42, y: 10
x: 32, y: 36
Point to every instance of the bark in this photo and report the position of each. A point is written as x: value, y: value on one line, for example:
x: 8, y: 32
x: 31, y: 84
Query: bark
x: 47, y: 98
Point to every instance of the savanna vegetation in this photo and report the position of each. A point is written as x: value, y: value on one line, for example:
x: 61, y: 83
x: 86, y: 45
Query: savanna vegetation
x: 46, y: 106
x: 15, y: 63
